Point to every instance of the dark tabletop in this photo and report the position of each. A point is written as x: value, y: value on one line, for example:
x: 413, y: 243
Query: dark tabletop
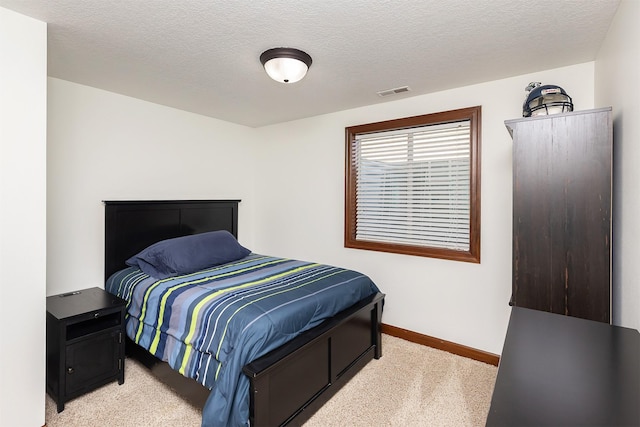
x: 563, y: 371
x: 80, y: 302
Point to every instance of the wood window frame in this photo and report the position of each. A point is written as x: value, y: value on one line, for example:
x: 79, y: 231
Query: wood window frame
x: 473, y: 114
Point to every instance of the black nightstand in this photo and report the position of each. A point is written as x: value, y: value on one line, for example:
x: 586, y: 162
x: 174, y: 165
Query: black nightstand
x: 85, y: 342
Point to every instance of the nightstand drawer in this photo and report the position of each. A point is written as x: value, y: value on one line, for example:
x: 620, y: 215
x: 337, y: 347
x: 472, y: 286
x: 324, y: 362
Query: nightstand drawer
x: 94, y: 322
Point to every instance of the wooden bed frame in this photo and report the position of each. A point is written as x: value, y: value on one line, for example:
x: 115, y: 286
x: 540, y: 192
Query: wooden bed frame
x: 288, y: 384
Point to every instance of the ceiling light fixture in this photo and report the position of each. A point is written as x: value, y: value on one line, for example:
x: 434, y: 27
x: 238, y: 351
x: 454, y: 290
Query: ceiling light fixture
x: 285, y: 64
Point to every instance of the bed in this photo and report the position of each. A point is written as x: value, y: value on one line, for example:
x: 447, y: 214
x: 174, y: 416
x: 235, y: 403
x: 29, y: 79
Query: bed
x: 278, y: 374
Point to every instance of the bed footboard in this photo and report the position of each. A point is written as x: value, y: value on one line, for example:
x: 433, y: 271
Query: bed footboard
x: 292, y: 382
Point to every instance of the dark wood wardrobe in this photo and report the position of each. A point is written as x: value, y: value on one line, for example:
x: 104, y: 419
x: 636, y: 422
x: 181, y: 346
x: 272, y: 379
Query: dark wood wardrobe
x: 562, y: 213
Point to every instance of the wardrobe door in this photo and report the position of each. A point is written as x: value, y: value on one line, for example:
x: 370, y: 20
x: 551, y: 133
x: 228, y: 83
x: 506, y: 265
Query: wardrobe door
x: 562, y: 213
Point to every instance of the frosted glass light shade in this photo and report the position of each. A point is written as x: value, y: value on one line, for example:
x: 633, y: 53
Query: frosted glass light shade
x: 285, y: 65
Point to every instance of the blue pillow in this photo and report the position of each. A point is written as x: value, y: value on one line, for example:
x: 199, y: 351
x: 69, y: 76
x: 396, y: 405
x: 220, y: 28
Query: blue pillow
x: 188, y: 254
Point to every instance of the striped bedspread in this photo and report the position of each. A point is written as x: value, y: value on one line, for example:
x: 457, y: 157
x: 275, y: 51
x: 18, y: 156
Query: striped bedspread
x: 209, y: 324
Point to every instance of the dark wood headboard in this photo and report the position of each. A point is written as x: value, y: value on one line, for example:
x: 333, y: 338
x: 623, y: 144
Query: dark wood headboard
x: 131, y: 226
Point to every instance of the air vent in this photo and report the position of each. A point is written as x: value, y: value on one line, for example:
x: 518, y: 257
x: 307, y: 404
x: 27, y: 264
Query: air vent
x: 394, y: 91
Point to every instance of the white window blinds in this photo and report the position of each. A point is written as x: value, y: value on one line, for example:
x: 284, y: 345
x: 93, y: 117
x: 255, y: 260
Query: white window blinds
x: 413, y: 186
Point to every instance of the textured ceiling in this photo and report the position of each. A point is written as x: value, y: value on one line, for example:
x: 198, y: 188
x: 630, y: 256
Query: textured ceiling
x: 202, y: 55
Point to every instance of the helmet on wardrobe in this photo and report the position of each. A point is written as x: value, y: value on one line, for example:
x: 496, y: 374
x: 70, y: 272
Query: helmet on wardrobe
x: 545, y: 100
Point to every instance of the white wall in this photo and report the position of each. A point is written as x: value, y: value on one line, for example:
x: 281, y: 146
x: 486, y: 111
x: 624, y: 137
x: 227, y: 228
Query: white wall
x: 301, y: 208
x: 104, y: 146
x: 23, y: 91
x: 290, y: 177
x: 617, y: 72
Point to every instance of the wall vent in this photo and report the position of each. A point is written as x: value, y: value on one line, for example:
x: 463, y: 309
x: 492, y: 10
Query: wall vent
x: 394, y: 91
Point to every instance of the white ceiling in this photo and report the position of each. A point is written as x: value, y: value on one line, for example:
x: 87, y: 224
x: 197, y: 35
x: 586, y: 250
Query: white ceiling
x: 202, y: 55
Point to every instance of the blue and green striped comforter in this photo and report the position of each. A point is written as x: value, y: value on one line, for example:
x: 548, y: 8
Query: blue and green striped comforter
x: 209, y: 324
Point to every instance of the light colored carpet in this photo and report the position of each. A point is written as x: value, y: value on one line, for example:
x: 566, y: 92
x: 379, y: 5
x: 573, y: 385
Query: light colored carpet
x: 410, y: 385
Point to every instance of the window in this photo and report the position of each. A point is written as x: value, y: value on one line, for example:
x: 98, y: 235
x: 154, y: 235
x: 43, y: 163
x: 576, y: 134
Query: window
x: 413, y: 185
